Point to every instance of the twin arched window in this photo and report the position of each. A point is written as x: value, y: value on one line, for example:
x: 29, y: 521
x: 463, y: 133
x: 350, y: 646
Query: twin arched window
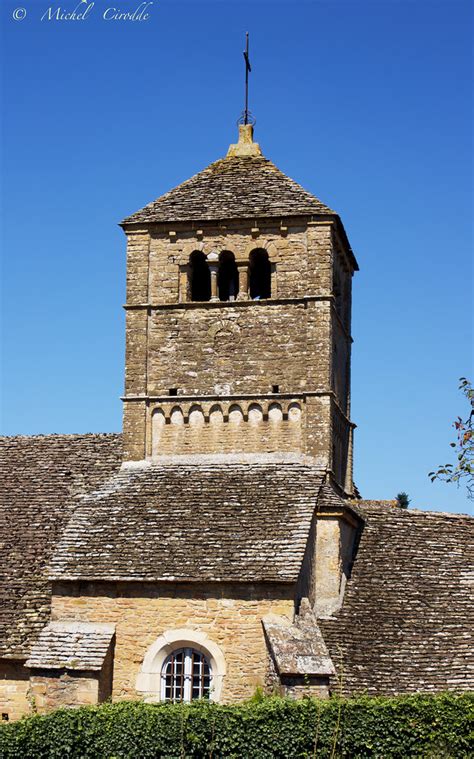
x: 186, y: 675
x: 221, y: 281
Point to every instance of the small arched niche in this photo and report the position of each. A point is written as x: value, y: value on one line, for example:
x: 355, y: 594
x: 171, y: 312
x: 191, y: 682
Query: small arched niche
x: 275, y: 413
x: 235, y: 414
x: 176, y: 416
x: 215, y: 415
x: 228, y: 276
x: 255, y: 413
x: 199, y: 277
x: 260, y: 274
x: 294, y: 412
x: 196, y: 416
x: 158, y: 422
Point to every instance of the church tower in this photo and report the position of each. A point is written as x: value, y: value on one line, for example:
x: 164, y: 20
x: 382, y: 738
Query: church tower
x: 238, y: 319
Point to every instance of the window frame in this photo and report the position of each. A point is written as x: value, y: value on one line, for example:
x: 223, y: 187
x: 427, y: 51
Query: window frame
x: 184, y: 691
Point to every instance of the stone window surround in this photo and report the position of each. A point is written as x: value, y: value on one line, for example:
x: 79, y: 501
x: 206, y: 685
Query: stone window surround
x: 149, y: 678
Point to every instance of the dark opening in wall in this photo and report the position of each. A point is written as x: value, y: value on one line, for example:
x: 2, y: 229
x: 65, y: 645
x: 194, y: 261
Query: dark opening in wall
x: 228, y: 276
x: 173, y: 391
x: 338, y: 293
x: 200, y: 276
x: 260, y: 274
x: 275, y: 388
x: 5, y: 717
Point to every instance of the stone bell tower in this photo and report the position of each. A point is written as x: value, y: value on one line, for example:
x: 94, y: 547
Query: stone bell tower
x: 238, y: 319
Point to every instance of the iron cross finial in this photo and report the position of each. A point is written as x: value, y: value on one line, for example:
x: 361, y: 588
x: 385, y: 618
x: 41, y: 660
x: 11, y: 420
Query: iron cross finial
x: 247, y: 69
x: 247, y: 116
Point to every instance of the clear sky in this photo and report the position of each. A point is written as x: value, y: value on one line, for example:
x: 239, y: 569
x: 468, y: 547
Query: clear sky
x: 366, y: 104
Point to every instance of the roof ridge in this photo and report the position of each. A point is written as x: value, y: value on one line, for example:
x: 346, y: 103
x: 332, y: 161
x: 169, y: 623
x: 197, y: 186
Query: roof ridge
x: 57, y: 435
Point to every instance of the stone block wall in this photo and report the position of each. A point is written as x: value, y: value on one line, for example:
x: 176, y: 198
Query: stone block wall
x: 14, y: 685
x: 231, y: 349
x: 230, y: 615
x: 52, y: 689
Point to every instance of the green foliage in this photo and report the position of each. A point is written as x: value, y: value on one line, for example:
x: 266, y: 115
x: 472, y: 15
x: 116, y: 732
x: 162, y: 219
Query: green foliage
x: 463, y: 469
x: 270, y: 728
x: 403, y: 500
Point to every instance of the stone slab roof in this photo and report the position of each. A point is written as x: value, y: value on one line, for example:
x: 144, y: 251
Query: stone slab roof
x: 71, y: 645
x: 233, y: 188
x: 244, y: 520
x: 41, y: 479
x: 407, y: 620
x: 299, y: 648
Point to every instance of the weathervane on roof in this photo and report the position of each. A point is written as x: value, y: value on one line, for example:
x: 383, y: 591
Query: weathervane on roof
x: 246, y: 117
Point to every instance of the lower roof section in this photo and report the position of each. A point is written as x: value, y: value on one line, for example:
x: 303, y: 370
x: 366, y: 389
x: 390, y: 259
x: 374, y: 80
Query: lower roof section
x: 242, y: 518
x: 407, y: 620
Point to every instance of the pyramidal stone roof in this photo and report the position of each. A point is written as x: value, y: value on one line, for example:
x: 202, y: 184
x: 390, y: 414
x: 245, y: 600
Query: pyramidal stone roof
x: 244, y: 184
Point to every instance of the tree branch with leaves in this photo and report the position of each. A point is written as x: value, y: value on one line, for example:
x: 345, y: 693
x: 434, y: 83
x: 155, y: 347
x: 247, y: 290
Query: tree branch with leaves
x: 463, y: 469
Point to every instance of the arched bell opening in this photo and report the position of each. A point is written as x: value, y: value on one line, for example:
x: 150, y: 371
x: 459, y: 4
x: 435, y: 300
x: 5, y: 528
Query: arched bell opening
x: 260, y: 274
x: 228, y: 276
x: 199, y: 277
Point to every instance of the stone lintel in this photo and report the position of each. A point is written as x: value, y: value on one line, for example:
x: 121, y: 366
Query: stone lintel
x: 346, y: 514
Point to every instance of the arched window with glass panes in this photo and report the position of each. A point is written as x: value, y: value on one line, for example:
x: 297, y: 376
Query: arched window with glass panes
x: 186, y: 675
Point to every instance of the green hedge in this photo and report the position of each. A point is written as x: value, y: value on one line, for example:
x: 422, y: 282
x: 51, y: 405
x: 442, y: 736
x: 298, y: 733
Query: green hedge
x: 410, y: 726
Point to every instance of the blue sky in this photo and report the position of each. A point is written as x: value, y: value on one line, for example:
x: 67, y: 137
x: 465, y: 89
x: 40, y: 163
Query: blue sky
x: 366, y: 104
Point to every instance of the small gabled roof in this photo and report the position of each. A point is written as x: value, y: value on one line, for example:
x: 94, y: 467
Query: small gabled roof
x: 69, y: 644
x: 242, y: 185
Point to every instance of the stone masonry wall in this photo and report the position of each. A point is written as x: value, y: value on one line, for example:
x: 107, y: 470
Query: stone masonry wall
x: 231, y: 617
x: 247, y: 348
x: 14, y: 684
x: 52, y: 689
x: 225, y: 427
